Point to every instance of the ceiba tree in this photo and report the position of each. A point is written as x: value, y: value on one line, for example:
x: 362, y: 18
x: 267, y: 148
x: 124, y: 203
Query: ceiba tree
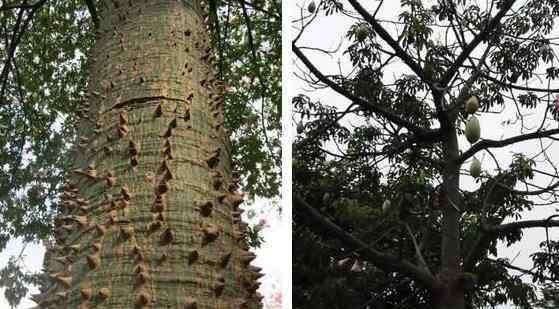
x: 149, y: 216
x: 394, y: 136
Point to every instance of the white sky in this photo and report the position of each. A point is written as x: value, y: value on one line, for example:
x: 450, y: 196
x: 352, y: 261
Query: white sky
x: 328, y: 32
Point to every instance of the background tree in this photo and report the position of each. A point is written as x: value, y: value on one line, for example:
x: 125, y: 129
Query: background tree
x: 43, y: 91
x: 384, y: 188
x: 549, y: 298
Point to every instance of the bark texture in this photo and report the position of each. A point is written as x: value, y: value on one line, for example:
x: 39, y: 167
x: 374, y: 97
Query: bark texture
x: 451, y: 293
x: 150, y: 216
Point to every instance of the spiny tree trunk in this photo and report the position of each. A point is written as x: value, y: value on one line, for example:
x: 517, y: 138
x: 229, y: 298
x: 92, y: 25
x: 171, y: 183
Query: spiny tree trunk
x: 150, y: 215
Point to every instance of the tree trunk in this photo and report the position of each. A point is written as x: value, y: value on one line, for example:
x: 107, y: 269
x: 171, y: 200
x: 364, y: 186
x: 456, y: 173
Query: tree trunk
x: 451, y: 294
x: 150, y: 216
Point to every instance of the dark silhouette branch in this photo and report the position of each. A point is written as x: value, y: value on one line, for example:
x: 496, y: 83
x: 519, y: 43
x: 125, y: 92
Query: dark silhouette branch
x: 375, y: 257
x: 23, y: 6
x: 535, y: 192
x: 517, y: 87
x: 522, y: 270
x: 424, y: 134
x: 495, y: 21
x: 263, y: 88
x: 509, y: 227
x: 490, y: 232
x: 93, y: 12
x: 379, y: 29
x: 19, y: 29
x: 486, y: 143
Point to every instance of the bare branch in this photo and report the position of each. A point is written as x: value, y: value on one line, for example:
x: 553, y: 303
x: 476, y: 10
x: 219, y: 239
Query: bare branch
x: 401, y: 53
x: 517, y: 87
x: 424, y: 134
x: 522, y: 270
x: 508, y: 227
x: 417, y: 249
x: 374, y: 256
x: 93, y: 12
x: 486, y: 143
x: 475, y: 42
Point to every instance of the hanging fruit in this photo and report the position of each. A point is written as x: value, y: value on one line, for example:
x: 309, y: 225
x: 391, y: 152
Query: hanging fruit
x: 386, y: 206
x: 361, y: 33
x: 475, y: 168
x: 472, y: 104
x: 472, y: 129
x: 300, y: 127
x: 312, y: 7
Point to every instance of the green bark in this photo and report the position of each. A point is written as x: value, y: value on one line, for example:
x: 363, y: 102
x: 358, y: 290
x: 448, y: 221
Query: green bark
x: 150, y: 217
x: 450, y: 295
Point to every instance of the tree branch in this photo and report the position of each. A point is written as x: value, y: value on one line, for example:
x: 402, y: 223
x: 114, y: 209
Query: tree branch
x: 486, y: 143
x: 16, y: 38
x: 475, y: 42
x: 24, y: 6
x: 378, y: 258
x: 93, y: 12
x: 489, y: 232
x: 423, y: 134
x: 414, y: 66
x: 263, y: 88
x: 517, y: 87
x: 522, y: 270
x: 508, y: 227
x: 535, y: 192
x: 417, y: 249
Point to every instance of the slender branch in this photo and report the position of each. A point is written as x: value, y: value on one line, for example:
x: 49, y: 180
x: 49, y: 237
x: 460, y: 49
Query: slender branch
x: 263, y: 88
x: 16, y: 36
x: 489, y: 232
x: 375, y: 257
x: 401, y: 53
x: 522, y: 270
x: 535, y: 192
x: 486, y: 143
x: 417, y: 249
x: 23, y: 6
x: 517, y: 87
x: 425, y: 134
x: 508, y: 227
x: 447, y: 77
x: 93, y: 12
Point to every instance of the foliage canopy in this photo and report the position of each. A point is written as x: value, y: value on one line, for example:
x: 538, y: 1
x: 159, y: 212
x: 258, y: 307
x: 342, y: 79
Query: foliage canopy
x: 393, y: 135
x: 43, y: 82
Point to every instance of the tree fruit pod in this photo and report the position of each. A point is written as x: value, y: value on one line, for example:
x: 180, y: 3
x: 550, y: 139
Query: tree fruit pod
x: 472, y: 130
x: 386, y: 206
x: 472, y: 105
x: 300, y: 127
x: 361, y: 33
x: 475, y: 168
x: 311, y: 7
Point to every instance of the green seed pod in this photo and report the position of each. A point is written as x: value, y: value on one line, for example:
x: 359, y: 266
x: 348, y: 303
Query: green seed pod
x: 472, y: 129
x: 361, y: 33
x: 386, y: 206
x: 475, y: 168
x: 312, y: 7
x: 300, y: 127
x: 472, y: 104
x: 326, y: 198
